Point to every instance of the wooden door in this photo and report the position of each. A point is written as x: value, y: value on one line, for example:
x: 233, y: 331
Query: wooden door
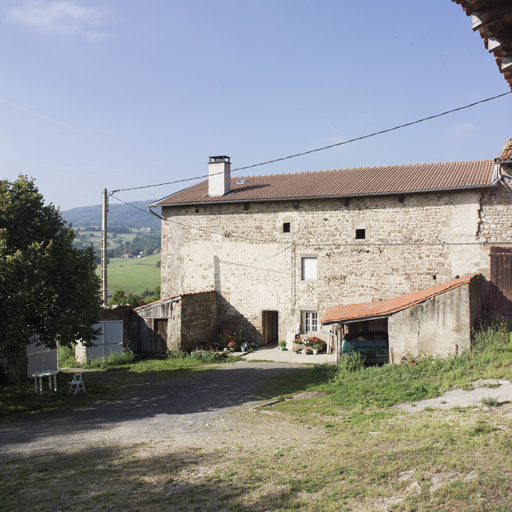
x: 501, y: 281
x: 160, y: 335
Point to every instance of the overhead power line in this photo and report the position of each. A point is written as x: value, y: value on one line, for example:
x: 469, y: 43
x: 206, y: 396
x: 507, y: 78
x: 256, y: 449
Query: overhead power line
x: 355, y: 139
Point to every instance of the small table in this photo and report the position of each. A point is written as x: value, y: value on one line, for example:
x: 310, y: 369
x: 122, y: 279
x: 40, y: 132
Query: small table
x: 38, y: 377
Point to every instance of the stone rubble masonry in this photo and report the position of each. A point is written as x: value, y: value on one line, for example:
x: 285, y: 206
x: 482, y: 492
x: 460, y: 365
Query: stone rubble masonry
x: 412, y: 241
x: 193, y: 321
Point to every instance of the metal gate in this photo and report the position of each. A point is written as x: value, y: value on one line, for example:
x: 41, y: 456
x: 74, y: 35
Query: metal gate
x: 501, y: 280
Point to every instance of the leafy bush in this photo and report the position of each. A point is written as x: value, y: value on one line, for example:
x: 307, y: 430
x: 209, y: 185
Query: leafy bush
x: 204, y: 355
x: 350, y: 363
x: 112, y: 360
x: 67, y: 357
x: 175, y: 354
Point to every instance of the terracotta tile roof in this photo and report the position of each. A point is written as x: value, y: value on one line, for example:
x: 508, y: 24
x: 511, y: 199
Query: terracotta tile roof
x: 364, y: 181
x: 505, y: 154
x: 388, y: 307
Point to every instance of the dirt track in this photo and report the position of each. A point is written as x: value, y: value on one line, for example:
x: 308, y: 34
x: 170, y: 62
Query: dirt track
x: 197, y: 407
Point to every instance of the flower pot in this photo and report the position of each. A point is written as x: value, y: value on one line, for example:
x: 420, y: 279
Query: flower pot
x: 315, y: 352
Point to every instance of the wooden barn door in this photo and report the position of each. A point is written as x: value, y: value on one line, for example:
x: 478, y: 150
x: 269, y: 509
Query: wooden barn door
x: 160, y: 335
x: 501, y: 279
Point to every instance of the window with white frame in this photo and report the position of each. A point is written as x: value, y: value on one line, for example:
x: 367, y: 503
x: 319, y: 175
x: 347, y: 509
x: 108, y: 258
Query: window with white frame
x: 309, y: 269
x: 309, y: 322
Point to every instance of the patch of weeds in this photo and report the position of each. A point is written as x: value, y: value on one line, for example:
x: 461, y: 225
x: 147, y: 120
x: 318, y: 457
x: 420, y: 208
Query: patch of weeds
x: 481, y: 428
x: 492, y: 385
x: 307, y: 484
x: 111, y: 361
x: 67, y: 357
x: 365, y: 418
x: 460, y: 409
x: 490, y: 401
x: 204, y: 355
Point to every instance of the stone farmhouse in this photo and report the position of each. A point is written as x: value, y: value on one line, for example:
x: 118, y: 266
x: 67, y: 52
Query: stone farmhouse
x: 280, y: 249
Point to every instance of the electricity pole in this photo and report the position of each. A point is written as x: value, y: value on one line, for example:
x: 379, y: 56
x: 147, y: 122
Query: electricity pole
x: 104, y: 210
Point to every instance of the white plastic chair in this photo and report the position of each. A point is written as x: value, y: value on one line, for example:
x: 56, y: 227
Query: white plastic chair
x: 77, y: 384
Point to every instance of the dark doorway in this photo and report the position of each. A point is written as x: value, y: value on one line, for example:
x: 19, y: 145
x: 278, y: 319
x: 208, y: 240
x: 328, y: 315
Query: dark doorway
x: 501, y: 279
x: 270, y: 327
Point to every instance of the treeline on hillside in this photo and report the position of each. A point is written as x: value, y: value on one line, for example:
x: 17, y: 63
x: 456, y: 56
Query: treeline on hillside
x: 143, y: 244
x: 120, y: 297
x: 119, y: 215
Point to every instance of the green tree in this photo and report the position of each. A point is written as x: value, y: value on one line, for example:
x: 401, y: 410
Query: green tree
x: 120, y: 298
x: 48, y: 288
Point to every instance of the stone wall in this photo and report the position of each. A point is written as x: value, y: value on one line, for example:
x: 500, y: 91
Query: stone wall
x: 440, y: 326
x: 193, y: 321
x: 174, y: 328
x: 198, y: 319
x: 240, y: 250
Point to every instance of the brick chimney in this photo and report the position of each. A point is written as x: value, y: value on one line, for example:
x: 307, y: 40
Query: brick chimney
x: 219, y: 176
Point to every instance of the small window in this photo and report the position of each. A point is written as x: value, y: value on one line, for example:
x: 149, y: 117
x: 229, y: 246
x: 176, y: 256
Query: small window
x: 246, y: 207
x: 309, y: 322
x: 309, y: 269
x: 360, y: 234
x: 286, y: 227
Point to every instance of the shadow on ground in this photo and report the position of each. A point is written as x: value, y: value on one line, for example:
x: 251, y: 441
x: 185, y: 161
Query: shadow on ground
x: 151, y: 410
x: 134, y: 478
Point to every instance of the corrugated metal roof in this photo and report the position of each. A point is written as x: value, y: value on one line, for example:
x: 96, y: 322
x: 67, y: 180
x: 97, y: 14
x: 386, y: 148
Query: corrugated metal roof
x: 364, y: 181
x: 388, y: 307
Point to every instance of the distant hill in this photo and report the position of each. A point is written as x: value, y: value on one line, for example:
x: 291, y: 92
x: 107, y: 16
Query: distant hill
x: 119, y: 215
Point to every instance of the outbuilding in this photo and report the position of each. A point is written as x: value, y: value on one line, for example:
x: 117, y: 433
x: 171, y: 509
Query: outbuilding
x: 436, y: 321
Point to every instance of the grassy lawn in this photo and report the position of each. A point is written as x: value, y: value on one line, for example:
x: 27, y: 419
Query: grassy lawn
x: 335, y: 444
x: 133, y: 275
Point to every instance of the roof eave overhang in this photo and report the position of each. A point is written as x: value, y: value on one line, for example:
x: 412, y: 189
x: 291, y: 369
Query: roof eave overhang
x: 354, y: 320
x: 343, y: 196
x: 157, y: 303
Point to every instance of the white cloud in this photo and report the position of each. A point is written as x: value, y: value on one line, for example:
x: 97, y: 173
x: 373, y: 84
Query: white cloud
x: 461, y: 130
x: 65, y: 17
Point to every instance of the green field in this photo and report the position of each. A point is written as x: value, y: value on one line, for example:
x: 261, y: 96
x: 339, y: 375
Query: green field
x: 132, y: 275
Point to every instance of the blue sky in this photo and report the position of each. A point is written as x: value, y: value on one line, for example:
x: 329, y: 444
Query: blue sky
x: 124, y: 93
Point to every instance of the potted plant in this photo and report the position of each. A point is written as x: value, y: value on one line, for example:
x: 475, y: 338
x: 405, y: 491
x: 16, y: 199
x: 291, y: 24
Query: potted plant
x: 282, y: 345
x: 313, y: 344
x: 317, y: 345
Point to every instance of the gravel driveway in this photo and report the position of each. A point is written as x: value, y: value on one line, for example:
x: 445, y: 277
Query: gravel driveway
x: 166, y: 409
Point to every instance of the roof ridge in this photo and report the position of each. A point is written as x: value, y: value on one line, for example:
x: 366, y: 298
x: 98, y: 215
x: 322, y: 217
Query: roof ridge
x: 359, y: 168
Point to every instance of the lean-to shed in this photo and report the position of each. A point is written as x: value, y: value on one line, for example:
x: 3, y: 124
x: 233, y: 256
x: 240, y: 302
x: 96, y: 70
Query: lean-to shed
x: 436, y: 321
